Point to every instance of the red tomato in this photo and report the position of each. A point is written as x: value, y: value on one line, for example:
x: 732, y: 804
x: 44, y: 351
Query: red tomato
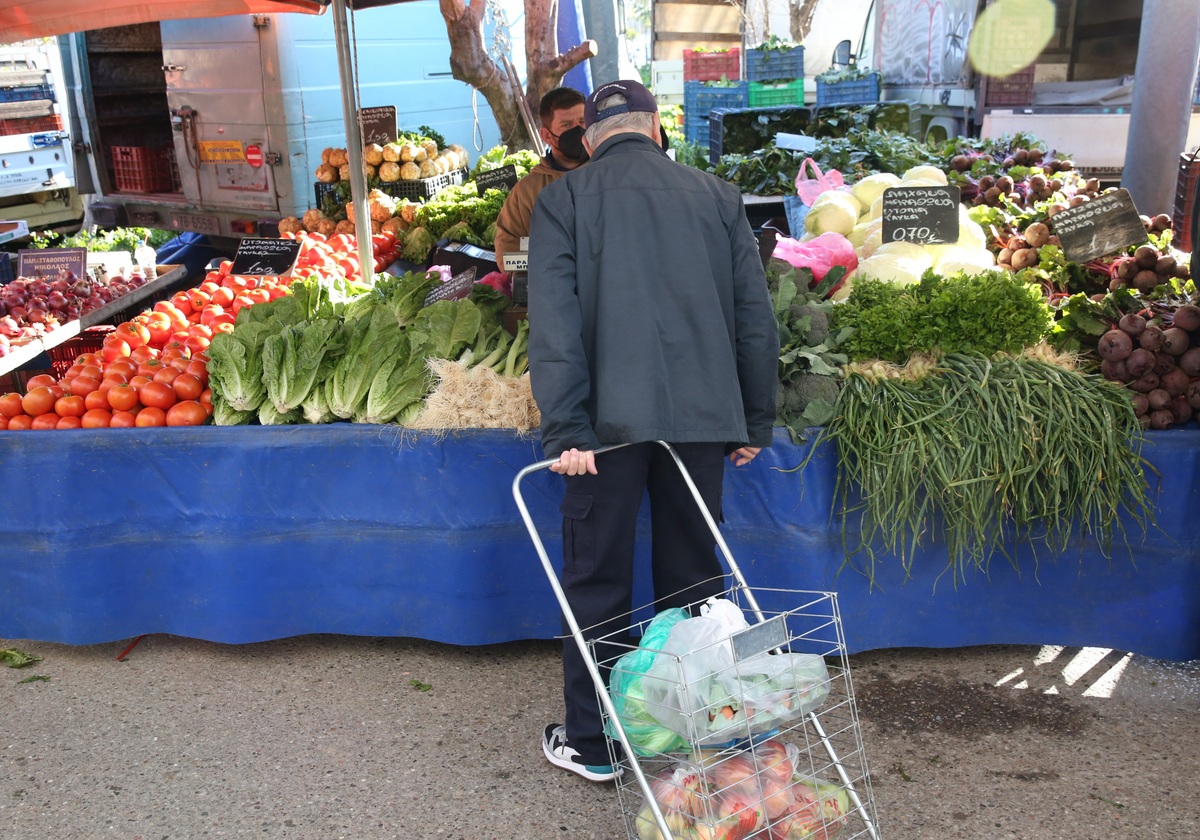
x: 123, y: 419
x: 167, y: 375
x: 187, y: 387
x: 143, y: 353
x: 150, y: 367
x: 199, y: 369
x: 121, y: 367
x: 69, y: 422
x: 45, y: 422
x: 122, y: 397
x: 150, y: 416
x: 20, y: 423
x: 70, y: 406
x: 225, y: 266
x: 206, y: 400
x: 87, y: 359
x: 135, y: 334
x: 96, y: 399
x: 38, y: 400
x: 97, y: 418
x: 157, y: 395
x: 114, y: 350
x: 223, y: 296
x: 3, y: 422
x: 208, y: 287
x: 83, y: 385
x: 186, y: 413
x: 39, y: 380
x: 10, y: 405
x: 197, y: 343
x: 198, y: 299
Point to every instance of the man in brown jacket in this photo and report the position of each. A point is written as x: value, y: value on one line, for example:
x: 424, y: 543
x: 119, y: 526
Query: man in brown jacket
x: 560, y: 112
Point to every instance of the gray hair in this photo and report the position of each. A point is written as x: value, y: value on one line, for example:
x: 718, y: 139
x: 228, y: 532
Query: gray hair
x: 599, y: 131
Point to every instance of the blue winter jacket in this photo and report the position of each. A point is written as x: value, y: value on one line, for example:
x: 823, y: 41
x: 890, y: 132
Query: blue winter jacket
x: 648, y: 306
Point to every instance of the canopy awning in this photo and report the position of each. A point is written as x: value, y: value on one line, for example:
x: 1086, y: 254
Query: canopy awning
x: 21, y: 20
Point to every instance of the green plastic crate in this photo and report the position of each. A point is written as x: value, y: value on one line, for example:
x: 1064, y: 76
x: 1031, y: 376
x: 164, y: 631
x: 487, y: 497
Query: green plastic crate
x: 788, y: 93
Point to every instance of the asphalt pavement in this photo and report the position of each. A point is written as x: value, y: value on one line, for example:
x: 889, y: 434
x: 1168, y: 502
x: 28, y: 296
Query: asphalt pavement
x: 324, y: 737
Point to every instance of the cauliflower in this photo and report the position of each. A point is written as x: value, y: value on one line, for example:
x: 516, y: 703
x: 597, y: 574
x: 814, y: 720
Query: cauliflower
x: 345, y: 226
x: 890, y: 268
x: 955, y: 259
x: 290, y: 224
x: 389, y: 172
x: 392, y: 152
x: 327, y: 173
x: 337, y: 157
x: 326, y: 227
x: 373, y: 154
x: 410, y: 172
x: 311, y: 219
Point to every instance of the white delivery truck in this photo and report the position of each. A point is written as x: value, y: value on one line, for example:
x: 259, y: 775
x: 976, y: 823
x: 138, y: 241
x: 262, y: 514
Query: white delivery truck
x: 217, y: 125
x: 37, y: 168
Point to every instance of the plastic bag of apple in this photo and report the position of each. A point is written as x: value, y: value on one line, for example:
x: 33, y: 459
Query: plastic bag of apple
x: 151, y: 370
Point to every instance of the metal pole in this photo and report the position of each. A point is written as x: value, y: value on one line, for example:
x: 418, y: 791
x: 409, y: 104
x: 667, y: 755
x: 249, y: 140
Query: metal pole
x: 358, y: 178
x: 1163, y: 85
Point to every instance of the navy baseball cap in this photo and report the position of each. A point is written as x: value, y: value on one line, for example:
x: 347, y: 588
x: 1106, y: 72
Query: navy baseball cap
x: 637, y: 98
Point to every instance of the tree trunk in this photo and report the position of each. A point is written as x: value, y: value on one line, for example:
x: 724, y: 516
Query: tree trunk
x: 470, y: 62
x: 802, y: 18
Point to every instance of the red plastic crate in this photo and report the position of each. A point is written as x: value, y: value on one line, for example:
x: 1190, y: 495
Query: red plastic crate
x: 1016, y: 89
x: 710, y: 67
x: 30, y: 125
x: 141, y: 169
x: 90, y: 340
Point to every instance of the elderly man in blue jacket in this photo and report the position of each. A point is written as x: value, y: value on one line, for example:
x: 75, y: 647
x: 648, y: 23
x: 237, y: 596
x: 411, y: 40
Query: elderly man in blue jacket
x: 649, y: 320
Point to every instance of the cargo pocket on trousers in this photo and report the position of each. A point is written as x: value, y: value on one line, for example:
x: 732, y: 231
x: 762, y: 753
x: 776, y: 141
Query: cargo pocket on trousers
x: 579, y: 538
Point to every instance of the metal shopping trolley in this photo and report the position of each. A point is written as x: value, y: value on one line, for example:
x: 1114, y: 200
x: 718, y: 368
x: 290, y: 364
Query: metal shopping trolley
x: 748, y: 732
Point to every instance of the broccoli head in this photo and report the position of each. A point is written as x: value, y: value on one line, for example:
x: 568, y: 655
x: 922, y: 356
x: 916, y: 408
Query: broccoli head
x: 803, y: 390
x: 818, y: 323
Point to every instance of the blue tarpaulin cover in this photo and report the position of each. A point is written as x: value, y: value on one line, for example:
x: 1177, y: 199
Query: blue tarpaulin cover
x: 246, y: 534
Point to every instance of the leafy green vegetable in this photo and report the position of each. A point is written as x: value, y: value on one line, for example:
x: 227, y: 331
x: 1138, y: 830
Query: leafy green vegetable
x: 987, y: 313
x: 371, y: 340
x: 292, y: 360
x: 14, y: 658
x: 235, y: 366
x: 443, y: 329
x: 397, y: 389
x: 417, y: 245
x: 226, y: 415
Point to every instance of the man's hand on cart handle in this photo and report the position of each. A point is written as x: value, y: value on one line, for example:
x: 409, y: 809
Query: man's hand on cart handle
x: 745, y: 455
x: 575, y: 462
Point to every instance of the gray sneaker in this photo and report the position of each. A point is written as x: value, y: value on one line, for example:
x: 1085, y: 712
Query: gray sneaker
x: 559, y: 753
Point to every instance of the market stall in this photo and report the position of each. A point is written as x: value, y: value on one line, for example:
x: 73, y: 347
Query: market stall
x: 245, y: 534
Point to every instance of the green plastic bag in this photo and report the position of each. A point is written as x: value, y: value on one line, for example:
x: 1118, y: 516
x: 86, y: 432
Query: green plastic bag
x: 646, y: 735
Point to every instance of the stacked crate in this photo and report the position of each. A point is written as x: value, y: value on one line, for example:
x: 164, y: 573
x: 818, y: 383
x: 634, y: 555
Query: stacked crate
x: 776, y: 76
x: 706, y: 86
x: 862, y: 91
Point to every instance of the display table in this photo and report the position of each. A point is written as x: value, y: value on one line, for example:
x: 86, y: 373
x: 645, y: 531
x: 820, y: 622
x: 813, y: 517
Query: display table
x: 248, y: 534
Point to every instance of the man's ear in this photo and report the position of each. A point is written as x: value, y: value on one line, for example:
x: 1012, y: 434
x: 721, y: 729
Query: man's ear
x: 545, y: 135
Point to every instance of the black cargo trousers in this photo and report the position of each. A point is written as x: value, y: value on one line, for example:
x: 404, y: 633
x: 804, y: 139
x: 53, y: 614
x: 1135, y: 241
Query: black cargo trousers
x: 600, y: 515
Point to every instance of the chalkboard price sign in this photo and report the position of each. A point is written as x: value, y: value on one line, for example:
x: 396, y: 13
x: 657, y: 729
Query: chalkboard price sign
x: 262, y: 256
x: 504, y: 178
x: 378, y: 125
x: 52, y: 263
x: 921, y: 214
x: 1105, y: 225
x: 457, y: 287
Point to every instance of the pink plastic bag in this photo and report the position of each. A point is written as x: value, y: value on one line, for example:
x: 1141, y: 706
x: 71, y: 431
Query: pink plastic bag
x: 808, y: 187
x: 818, y: 254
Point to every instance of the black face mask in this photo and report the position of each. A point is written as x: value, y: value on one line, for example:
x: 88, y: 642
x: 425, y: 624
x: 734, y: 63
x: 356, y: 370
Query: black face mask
x: 570, y: 145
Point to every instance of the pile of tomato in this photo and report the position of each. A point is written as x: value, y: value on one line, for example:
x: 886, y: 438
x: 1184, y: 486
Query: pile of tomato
x: 338, y: 254
x: 151, y: 370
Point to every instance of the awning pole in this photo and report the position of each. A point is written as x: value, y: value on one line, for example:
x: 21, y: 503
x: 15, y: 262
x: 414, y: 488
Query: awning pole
x: 354, y: 146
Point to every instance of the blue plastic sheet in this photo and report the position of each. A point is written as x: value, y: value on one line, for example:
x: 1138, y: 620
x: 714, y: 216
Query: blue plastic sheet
x: 247, y: 534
